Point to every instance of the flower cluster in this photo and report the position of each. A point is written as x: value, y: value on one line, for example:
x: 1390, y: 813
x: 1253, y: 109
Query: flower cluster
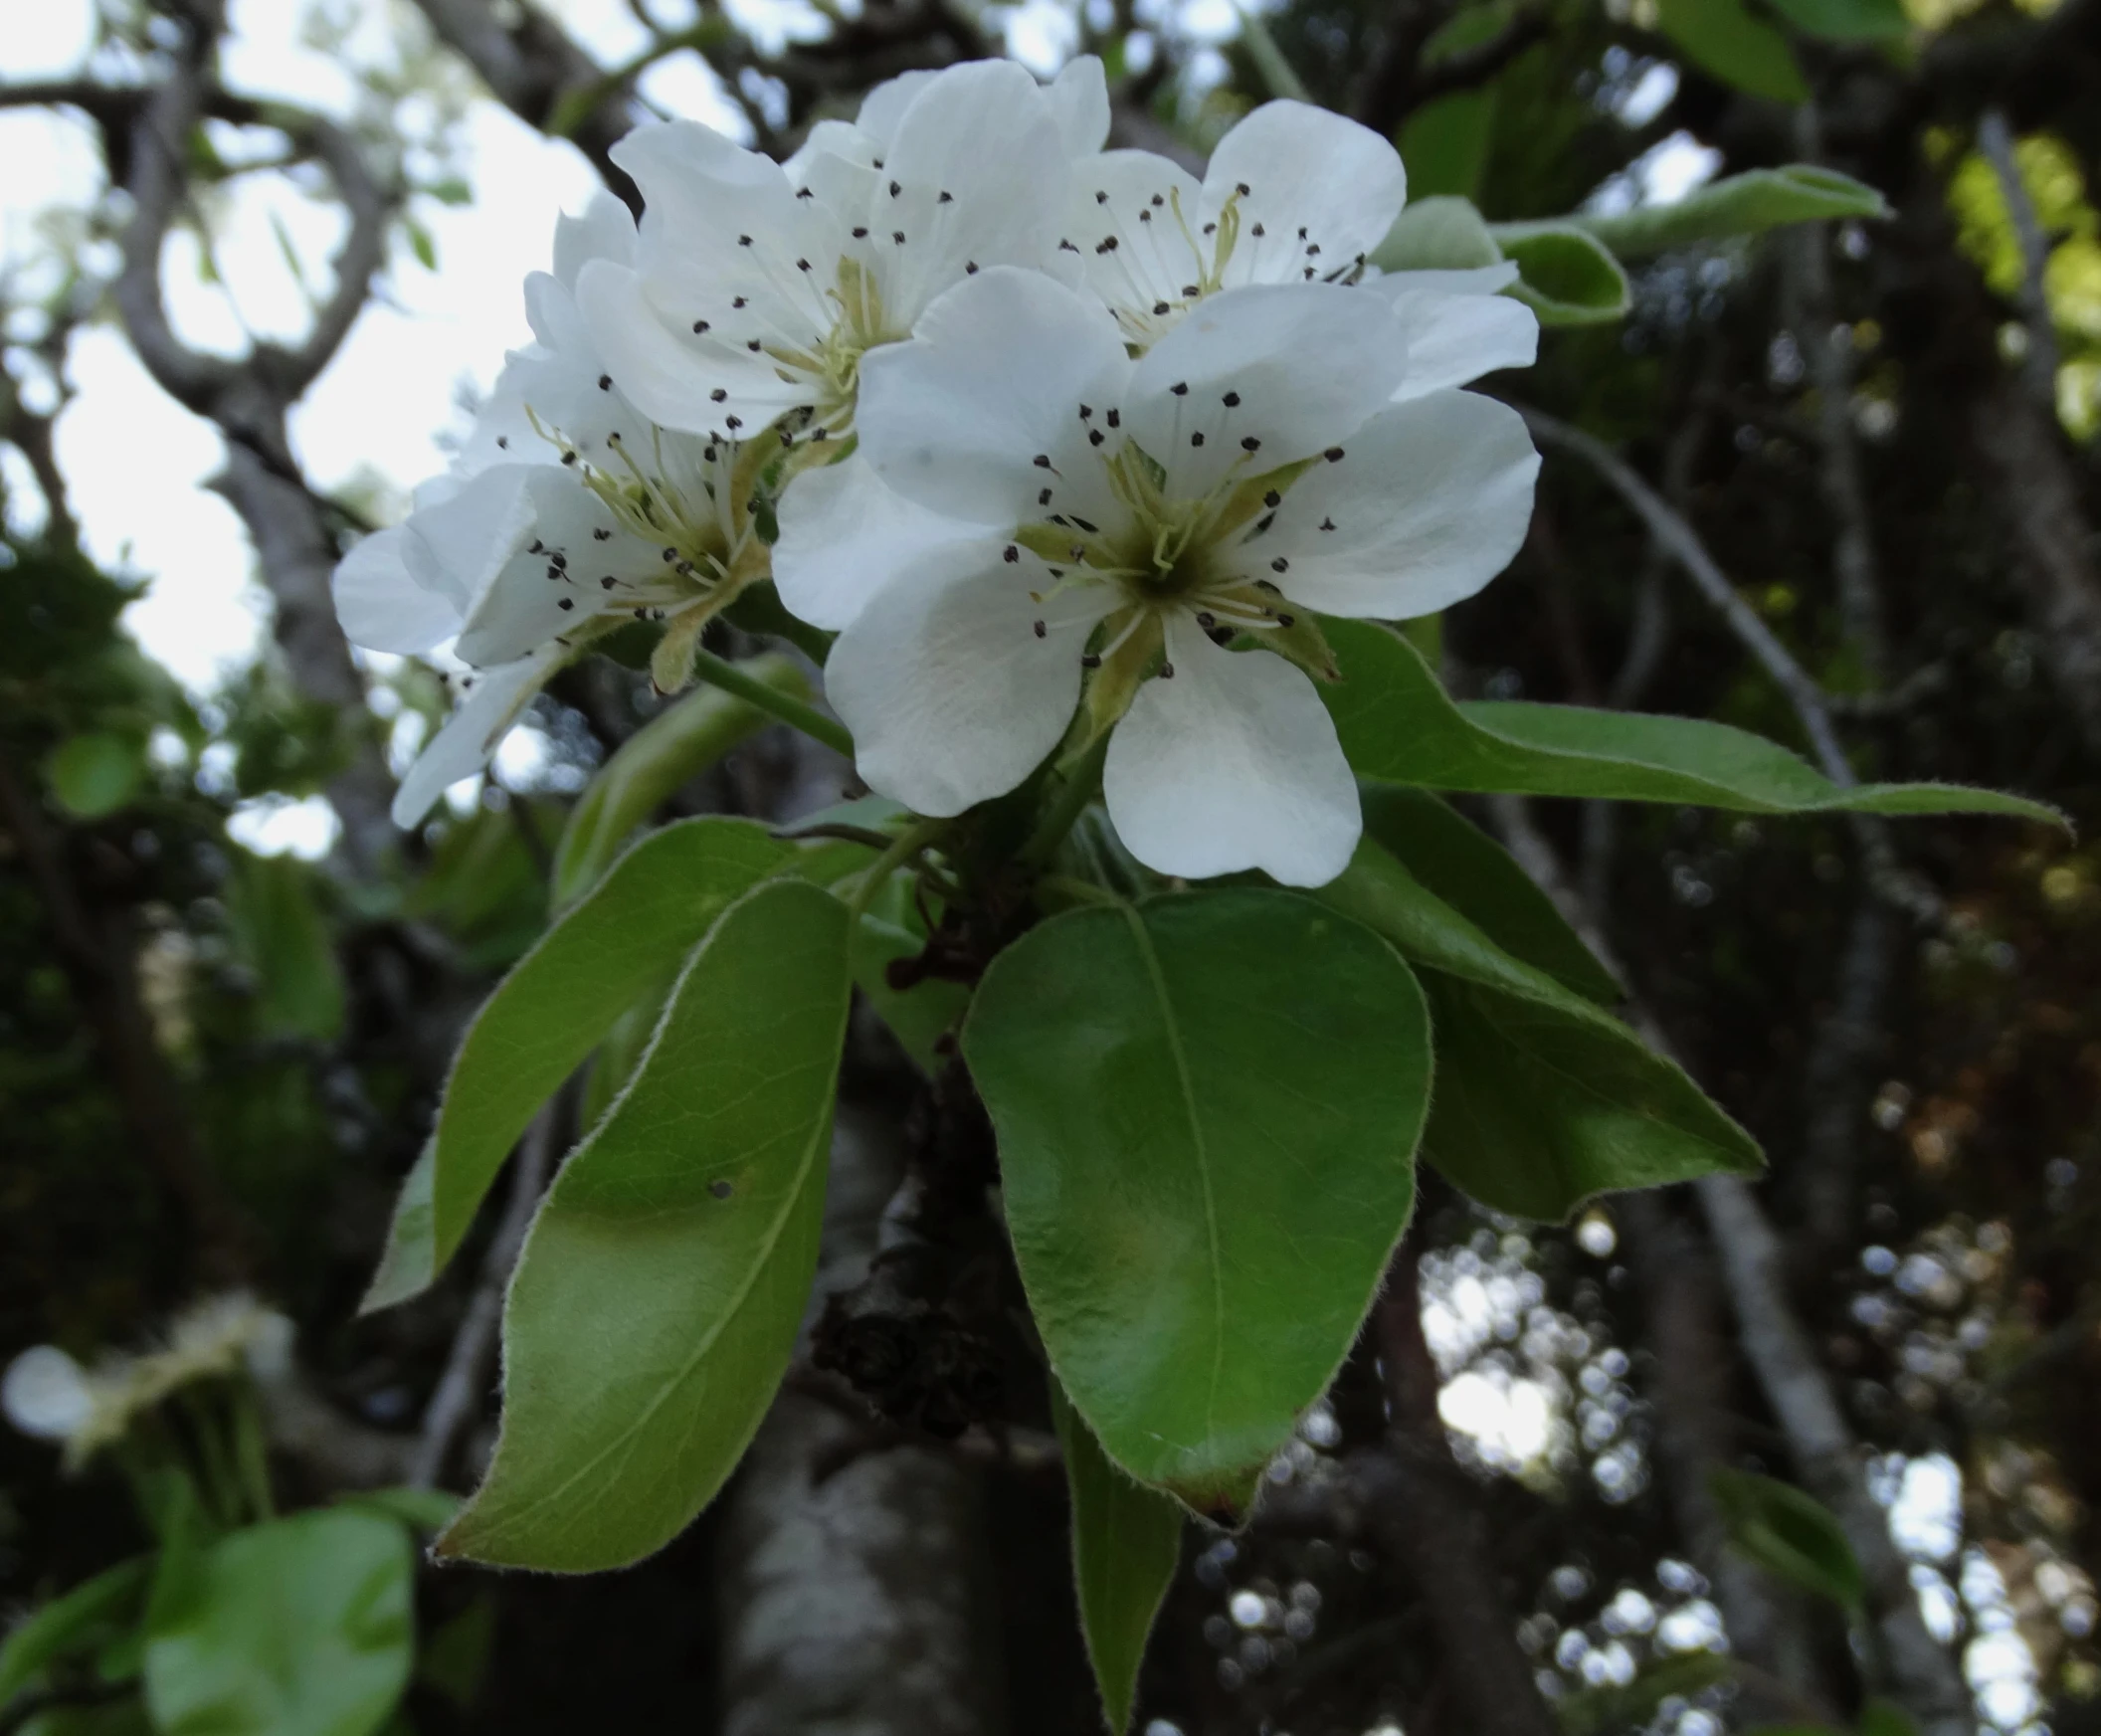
x: 1071, y: 449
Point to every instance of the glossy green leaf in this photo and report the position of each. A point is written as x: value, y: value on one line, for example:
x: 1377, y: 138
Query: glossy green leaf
x: 1441, y: 233
x: 296, y: 1627
x: 409, y: 1262
x: 1789, y: 1533
x: 1721, y: 38
x: 280, y: 934
x: 1540, y: 1106
x: 80, y: 1622
x: 1205, y: 1104
x: 565, y: 994
x: 621, y: 1050
x: 1126, y: 1545
x: 1543, y: 1100
x: 95, y: 773
x: 1746, y: 204
x: 1475, y: 874
x: 1846, y: 20
x: 656, y: 1300
x: 1398, y: 724
x: 1566, y: 274
x: 649, y: 767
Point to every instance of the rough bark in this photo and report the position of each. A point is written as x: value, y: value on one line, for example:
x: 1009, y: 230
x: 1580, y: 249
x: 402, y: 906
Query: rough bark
x: 849, y: 1571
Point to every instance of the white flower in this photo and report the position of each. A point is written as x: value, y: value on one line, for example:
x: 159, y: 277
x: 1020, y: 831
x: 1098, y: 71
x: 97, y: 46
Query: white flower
x: 45, y: 1392
x: 567, y: 509
x: 1294, y: 194
x: 758, y: 286
x: 1066, y: 516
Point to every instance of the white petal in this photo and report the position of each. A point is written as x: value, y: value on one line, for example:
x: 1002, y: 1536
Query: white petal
x: 1428, y: 503
x: 1232, y: 764
x: 1137, y: 252
x: 1307, y: 364
x: 1079, y: 102
x: 605, y: 231
x: 884, y: 107
x: 951, y: 696
x: 973, y: 155
x: 671, y: 376
x: 45, y: 1392
x: 991, y: 380
x: 1454, y: 339
x: 832, y: 139
x: 520, y: 607
x: 1307, y: 169
x: 405, y: 589
x: 846, y: 536
x: 470, y: 736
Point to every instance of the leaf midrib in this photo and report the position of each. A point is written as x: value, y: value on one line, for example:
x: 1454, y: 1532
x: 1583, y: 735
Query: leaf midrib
x: 1203, y: 1154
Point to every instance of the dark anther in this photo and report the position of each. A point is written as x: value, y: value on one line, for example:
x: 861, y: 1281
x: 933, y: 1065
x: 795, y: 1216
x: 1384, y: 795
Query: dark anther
x: 1095, y: 437
x: 1257, y: 232
x: 1301, y: 232
x: 718, y: 394
x: 970, y: 268
x: 1313, y: 252
x: 1167, y: 672
x: 754, y: 345
x: 1206, y: 619
x: 1262, y: 524
x: 802, y: 265
x: 503, y: 442
x: 568, y: 458
x: 895, y: 189
x: 897, y: 235
x: 605, y: 382
x: 861, y: 233
x: 1043, y: 500
x: 947, y: 199
x: 1090, y: 661
x: 734, y: 421
x: 1180, y: 388
x: 1039, y: 630
x: 743, y: 241
x: 536, y: 546
x: 802, y: 192
x: 561, y: 561
x: 1086, y: 410
x: 566, y: 602
x: 1100, y: 198
x: 1279, y: 565
x: 608, y: 582
x: 1107, y: 245
x: 1159, y: 199
x: 1333, y: 454
x: 1083, y: 525
x: 1041, y: 461
x: 700, y: 327
x: 1145, y: 217
x: 1327, y: 524
x: 1197, y: 439
x: 602, y: 534
x: 1250, y: 444
x: 1009, y: 554
x: 1231, y: 400
x: 1115, y: 418
x: 1161, y: 307
x: 1272, y: 499
x: 1222, y: 636
x: 1287, y: 620
x: 739, y: 300
x: 1241, y: 188
x: 671, y: 554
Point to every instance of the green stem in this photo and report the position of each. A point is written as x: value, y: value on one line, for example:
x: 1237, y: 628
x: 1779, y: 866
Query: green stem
x: 251, y: 1455
x: 1081, y: 784
x: 909, y: 843
x: 720, y: 673
x: 1077, y: 891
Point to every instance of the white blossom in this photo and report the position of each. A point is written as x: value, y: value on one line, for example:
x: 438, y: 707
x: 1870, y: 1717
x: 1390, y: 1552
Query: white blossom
x: 1063, y: 522
x: 757, y: 286
x: 1292, y: 194
x: 567, y: 510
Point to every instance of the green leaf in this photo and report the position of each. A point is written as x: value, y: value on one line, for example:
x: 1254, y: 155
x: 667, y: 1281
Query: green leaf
x: 419, y: 1509
x: 280, y: 932
x: 96, y: 773
x: 78, y: 1622
x: 409, y: 1262
x: 1445, y: 143
x: 1540, y: 1106
x: 1542, y: 1099
x: 1398, y: 724
x: 1846, y: 20
x: 620, y: 1052
x: 1722, y: 38
x: 1566, y: 274
x: 565, y: 994
x: 1886, y: 1718
x: 652, y: 764
x: 1277, y: 72
x: 454, y: 1660
x: 420, y: 244
x: 1126, y: 1545
x: 1437, y: 233
x: 1475, y: 874
x: 1746, y: 204
x: 657, y: 1298
x: 1205, y: 1103
x: 1789, y: 1533
x: 296, y: 1627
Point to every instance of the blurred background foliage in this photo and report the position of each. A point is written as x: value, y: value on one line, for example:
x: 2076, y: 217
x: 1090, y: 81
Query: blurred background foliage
x: 216, y: 1064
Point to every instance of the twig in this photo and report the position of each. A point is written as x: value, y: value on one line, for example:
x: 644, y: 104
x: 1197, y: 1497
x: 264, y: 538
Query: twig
x: 2039, y: 367
x: 456, y: 1398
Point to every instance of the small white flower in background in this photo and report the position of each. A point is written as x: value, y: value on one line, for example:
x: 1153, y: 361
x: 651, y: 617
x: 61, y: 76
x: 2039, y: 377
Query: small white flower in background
x: 1293, y: 195
x: 567, y: 511
x: 758, y: 286
x: 47, y: 1393
x: 1066, y: 517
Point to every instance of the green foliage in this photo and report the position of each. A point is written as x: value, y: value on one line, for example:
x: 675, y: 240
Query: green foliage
x: 1470, y: 871
x: 1206, y: 1103
x: 485, y: 883
x: 1398, y: 724
x: 1846, y: 20
x: 1542, y: 1099
x: 1746, y: 204
x: 1722, y: 38
x: 299, y: 1627
x: 409, y: 1260
x: 657, y: 1301
x: 280, y: 932
x: 1444, y: 142
x: 1437, y: 233
x: 77, y: 1624
x: 891, y: 929
x: 650, y: 765
x: 1126, y: 1545
x: 95, y: 773
x: 1789, y: 1534
x: 1568, y: 276
x: 551, y: 1012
